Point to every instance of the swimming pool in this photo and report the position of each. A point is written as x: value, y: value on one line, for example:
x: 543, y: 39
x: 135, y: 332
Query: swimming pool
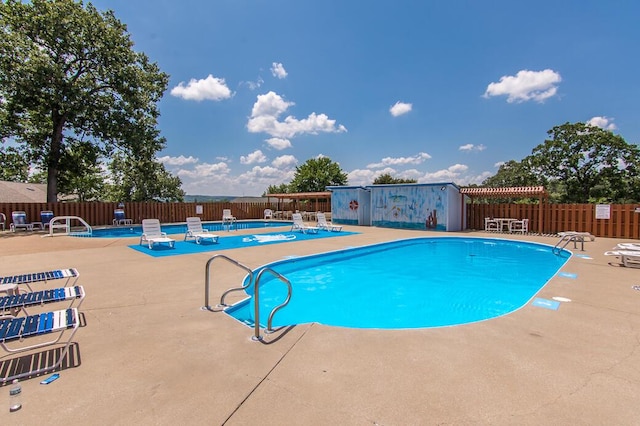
x: 415, y: 283
x: 136, y: 230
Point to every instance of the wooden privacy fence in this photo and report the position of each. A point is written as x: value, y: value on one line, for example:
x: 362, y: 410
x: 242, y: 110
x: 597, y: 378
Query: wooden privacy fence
x: 99, y: 214
x: 623, y: 221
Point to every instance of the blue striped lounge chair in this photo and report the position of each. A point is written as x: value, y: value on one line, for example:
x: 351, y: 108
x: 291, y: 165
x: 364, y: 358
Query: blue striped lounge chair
x: 120, y: 218
x: 15, y: 302
x: 71, y: 275
x: 22, y: 334
x: 19, y: 221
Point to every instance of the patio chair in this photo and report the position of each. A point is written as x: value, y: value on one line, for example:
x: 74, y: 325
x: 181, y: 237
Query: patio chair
x: 45, y: 218
x: 21, y: 334
x: 521, y: 226
x: 19, y: 221
x: 629, y: 258
x: 152, y: 234
x: 3, y: 219
x: 491, y: 224
x: 197, y: 232
x: 299, y: 225
x: 119, y: 218
x: 268, y: 214
x: 227, y: 216
x: 327, y: 226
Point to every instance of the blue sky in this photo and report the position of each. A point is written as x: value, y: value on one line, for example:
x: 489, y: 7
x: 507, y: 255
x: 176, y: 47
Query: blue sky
x: 438, y: 91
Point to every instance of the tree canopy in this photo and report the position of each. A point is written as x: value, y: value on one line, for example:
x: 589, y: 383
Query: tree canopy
x: 579, y: 163
x: 313, y: 176
x: 386, y: 179
x: 71, y: 84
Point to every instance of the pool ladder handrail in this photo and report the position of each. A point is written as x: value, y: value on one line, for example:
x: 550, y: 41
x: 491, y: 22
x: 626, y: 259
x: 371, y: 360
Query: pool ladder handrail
x: 248, y: 283
x: 207, y: 280
x: 566, y: 239
x: 64, y: 222
x: 256, y: 302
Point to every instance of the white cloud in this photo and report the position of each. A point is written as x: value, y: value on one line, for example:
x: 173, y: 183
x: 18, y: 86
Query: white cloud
x: 285, y: 162
x: 255, y: 157
x: 268, y: 108
x: 400, y: 108
x: 391, y: 161
x: 277, y: 69
x: 471, y: 147
x: 450, y: 174
x: 177, y: 161
x: 210, y: 88
x: 253, y: 85
x: 279, y: 143
x: 525, y: 86
x: 602, y: 122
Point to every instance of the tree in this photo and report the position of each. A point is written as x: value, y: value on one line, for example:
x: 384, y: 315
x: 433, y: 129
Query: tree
x: 593, y: 164
x: 13, y: 166
x: 386, y: 179
x: 316, y: 174
x: 69, y: 72
x: 283, y: 188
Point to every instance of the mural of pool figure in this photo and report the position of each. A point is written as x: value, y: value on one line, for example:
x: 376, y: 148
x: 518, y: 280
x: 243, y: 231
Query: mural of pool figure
x: 435, y: 207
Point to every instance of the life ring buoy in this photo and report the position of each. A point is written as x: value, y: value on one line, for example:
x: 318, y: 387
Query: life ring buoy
x: 353, y: 205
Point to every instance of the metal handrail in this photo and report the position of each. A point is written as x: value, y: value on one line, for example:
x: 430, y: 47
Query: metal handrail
x: 66, y: 225
x: 206, y: 280
x: 256, y: 302
x: 567, y: 239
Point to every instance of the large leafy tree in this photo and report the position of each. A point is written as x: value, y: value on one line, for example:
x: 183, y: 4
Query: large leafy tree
x: 316, y: 174
x: 69, y: 73
x: 592, y: 164
x: 13, y: 166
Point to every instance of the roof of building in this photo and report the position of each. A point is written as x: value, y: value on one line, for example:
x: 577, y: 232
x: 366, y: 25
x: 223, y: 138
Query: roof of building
x: 514, y: 191
x: 19, y: 192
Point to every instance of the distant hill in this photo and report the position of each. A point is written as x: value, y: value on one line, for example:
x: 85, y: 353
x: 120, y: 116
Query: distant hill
x: 207, y: 198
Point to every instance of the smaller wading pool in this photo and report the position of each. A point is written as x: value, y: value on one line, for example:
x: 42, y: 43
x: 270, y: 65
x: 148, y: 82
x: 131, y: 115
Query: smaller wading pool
x: 414, y: 283
x: 136, y: 230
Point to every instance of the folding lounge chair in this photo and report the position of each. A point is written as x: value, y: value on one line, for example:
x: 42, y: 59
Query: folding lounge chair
x: 29, y: 278
x: 152, y: 234
x: 327, y: 226
x: 13, y: 303
x: 197, y: 232
x: 21, y: 334
x: 298, y: 225
x: 119, y: 218
x: 628, y: 246
x: 629, y: 258
x: 45, y: 218
x: 19, y: 219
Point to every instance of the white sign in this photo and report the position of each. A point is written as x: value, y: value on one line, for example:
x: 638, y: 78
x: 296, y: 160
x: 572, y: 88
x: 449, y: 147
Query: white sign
x: 603, y: 211
x: 198, y: 209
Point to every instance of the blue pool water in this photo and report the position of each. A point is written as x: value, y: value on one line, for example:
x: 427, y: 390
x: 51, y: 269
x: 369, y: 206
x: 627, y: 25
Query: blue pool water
x: 136, y: 230
x: 416, y: 283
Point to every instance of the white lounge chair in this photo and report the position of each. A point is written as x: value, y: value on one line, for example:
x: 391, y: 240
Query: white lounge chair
x: 197, y: 232
x: 628, y: 246
x: 21, y: 334
x: 629, y: 258
x: 299, y: 225
x: 327, y: 226
x: 152, y: 234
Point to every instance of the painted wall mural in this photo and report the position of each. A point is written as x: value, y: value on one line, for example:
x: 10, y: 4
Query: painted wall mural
x: 411, y: 207
x: 344, y: 206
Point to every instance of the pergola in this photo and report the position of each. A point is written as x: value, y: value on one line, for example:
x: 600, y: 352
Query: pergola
x: 508, y: 192
x: 297, y: 196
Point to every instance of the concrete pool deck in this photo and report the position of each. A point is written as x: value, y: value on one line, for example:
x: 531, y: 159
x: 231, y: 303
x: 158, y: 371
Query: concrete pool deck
x: 148, y: 354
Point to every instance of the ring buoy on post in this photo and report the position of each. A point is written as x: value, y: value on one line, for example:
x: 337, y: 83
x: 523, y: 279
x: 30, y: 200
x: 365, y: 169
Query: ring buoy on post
x: 353, y: 205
